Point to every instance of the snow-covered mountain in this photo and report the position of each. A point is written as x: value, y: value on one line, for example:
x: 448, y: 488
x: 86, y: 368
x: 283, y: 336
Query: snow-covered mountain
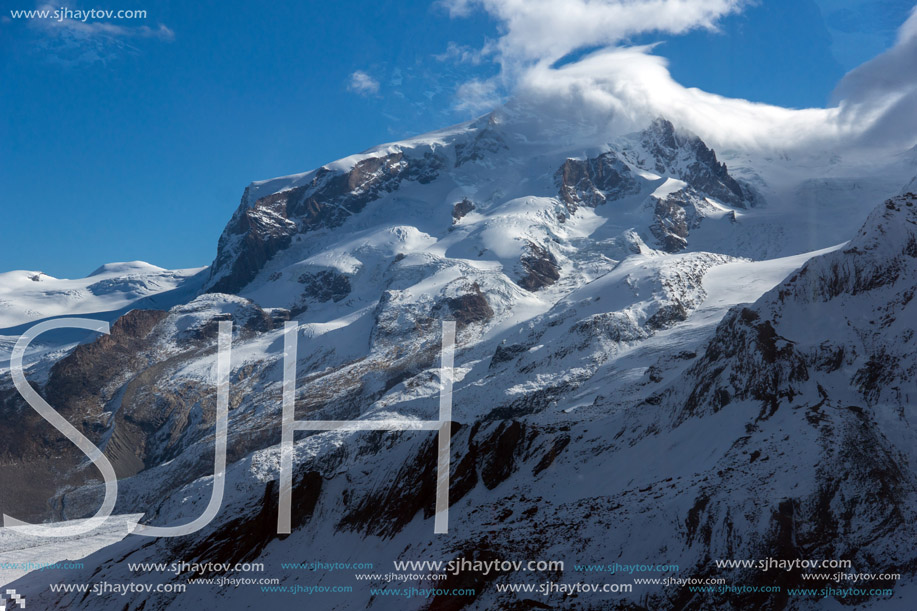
x: 30, y: 296
x: 661, y: 358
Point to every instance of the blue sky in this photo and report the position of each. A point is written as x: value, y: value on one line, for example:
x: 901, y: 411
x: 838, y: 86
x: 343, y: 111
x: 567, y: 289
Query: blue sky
x: 133, y: 139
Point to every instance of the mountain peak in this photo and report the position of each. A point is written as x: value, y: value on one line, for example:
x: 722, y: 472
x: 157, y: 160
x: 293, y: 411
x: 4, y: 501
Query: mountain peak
x: 123, y: 268
x: 488, y: 162
x: 681, y: 153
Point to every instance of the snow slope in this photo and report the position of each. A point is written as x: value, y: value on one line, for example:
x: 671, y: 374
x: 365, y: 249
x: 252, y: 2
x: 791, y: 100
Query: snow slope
x: 29, y: 296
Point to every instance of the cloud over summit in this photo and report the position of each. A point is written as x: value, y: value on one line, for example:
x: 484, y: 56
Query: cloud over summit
x: 623, y: 86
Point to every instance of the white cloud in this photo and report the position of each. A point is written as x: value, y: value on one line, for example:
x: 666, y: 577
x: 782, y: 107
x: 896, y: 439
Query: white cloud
x: 882, y: 93
x: 618, y: 88
x: 463, y: 54
x: 363, y: 84
x: 549, y: 29
x: 98, y: 28
x: 890, y: 72
x: 73, y: 41
x: 477, y: 96
x: 86, y: 29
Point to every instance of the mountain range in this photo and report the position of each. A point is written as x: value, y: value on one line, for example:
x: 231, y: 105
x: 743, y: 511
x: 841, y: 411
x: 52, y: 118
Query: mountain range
x: 665, y: 354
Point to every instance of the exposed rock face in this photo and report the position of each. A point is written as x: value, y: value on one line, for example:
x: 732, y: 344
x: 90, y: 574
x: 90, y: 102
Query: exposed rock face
x: 766, y: 366
x: 386, y: 511
x: 260, y: 229
x: 618, y: 327
x: 159, y: 413
x: 660, y: 149
x: 540, y: 266
x: 79, y: 387
x: 594, y: 181
x: 687, y: 157
x: 79, y: 378
x: 675, y: 216
x: 667, y: 316
x: 121, y: 391
x: 460, y: 209
x: 470, y: 307
x: 243, y: 538
x: 506, y: 353
x: 671, y: 224
x: 252, y: 237
x: 326, y: 285
x: 499, y: 456
x: 486, y: 453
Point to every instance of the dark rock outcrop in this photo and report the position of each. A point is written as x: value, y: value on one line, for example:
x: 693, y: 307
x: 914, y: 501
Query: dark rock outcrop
x: 470, y: 307
x: 76, y: 382
x: 592, y: 182
x: 498, y: 453
x: 505, y: 353
x: 387, y: 510
x: 326, y: 285
x: 670, y: 224
x: 37, y: 459
x: 460, y: 209
x: 540, y: 266
x: 666, y: 316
